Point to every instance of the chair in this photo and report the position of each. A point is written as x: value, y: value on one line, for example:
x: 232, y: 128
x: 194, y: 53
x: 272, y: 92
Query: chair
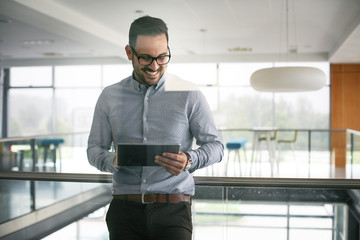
x: 273, y: 138
x: 234, y: 145
x: 292, y: 145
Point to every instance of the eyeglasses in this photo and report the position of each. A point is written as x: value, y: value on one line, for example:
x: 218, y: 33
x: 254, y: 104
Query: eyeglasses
x: 147, y: 60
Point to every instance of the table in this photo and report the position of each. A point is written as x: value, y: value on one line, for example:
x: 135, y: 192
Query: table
x: 46, y: 144
x: 266, y: 132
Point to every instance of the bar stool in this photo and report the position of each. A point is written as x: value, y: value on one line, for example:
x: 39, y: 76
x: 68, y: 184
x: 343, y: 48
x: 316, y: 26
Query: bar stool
x: 234, y: 145
x: 52, y: 145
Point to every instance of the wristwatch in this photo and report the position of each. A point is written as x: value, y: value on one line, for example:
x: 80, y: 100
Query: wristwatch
x: 189, y: 162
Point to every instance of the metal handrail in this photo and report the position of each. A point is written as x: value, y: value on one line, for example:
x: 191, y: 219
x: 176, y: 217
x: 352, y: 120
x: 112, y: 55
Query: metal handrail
x: 291, y: 129
x: 355, y: 132
x: 324, y: 183
x: 28, y: 138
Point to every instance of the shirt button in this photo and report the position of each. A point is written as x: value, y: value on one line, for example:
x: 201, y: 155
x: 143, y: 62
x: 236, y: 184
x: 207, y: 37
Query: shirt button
x: 144, y: 181
x: 145, y: 139
x: 147, y: 98
x: 145, y: 118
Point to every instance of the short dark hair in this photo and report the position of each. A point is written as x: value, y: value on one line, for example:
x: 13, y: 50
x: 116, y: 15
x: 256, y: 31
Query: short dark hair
x: 148, y: 26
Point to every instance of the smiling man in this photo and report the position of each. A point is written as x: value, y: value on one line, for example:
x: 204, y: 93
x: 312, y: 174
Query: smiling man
x: 147, y: 69
x: 152, y: 202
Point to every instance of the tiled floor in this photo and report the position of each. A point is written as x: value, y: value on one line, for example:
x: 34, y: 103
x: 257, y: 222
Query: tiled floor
x: 317, y: 165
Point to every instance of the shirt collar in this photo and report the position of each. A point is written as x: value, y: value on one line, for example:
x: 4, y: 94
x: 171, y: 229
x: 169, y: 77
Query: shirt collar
x: 161, y: 81
x: 138, y: 86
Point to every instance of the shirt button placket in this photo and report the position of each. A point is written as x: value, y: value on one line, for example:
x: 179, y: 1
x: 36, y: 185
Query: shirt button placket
x: 145, y: 119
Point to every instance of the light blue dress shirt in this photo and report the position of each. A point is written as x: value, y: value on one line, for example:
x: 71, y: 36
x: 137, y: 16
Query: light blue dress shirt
x: 128, y: 112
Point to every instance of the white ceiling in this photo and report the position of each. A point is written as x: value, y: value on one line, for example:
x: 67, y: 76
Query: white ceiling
x: 34, y: 32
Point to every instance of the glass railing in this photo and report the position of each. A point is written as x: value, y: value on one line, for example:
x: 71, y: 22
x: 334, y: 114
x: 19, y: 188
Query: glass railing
x: 315, y: 153
x: 268, y: 213
x: 46, y: 153
x: 39, y: 172
x: 223, y: 208
x: 353, y: 154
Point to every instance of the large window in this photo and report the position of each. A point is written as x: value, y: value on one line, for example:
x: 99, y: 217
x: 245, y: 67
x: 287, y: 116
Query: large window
x: 61, y: 99
x: 30, y: 101
x: 30, y: 111
x: 76, y: 91
x: 31, y: 77
x: 236, y: 105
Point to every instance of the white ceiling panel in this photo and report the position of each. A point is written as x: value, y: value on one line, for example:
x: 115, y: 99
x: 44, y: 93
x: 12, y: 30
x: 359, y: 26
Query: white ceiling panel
x: 200, y: 30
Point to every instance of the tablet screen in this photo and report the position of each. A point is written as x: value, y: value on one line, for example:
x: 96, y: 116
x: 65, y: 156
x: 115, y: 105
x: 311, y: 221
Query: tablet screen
x: 139, y: 154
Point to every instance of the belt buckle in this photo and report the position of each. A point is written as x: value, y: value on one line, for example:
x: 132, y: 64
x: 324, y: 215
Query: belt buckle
x: 143, y: 199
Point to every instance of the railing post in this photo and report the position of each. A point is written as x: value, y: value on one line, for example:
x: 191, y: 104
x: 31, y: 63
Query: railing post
x: 353, y: 227
x: 309, y: 149
x: 5, y: 97
x: 32, y: 182
x: 352, y: 152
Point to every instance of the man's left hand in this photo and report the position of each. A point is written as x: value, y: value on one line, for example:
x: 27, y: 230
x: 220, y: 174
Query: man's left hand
x: 172, y: 162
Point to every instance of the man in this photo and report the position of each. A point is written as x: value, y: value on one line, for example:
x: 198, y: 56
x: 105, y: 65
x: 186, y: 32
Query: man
x: 152, y: 202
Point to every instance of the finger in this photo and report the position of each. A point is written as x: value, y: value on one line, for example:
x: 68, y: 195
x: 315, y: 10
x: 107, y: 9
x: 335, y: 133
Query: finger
x: 171, y: 169
x: 175, y: 156
x: 164, y: 161
x: 171, y: 166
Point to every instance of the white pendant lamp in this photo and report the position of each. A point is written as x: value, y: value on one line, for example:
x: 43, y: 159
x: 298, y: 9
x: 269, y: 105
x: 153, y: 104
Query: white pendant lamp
x: 288, y: 79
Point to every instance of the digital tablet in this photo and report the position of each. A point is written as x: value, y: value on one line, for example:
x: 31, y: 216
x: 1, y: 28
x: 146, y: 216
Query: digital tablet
x: 138, y: 154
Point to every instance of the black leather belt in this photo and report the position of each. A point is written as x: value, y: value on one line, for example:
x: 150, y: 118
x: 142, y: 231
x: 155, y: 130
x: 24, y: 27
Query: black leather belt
x: 153, y: 198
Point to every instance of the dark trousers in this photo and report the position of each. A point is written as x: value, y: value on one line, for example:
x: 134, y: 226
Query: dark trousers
x: 155, y: 221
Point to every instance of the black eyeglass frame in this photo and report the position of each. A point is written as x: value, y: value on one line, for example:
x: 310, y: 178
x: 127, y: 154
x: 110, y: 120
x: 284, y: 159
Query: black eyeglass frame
x: 152, y: 58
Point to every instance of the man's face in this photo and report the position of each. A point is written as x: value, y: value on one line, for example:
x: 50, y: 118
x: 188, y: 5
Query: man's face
x: 153, y: 46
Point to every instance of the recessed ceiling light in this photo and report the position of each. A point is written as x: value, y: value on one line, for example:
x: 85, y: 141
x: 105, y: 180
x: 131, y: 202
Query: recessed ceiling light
x: 240, y: 49
x: 139, y: 11
x: 38, y: 42
x: 52, y: 54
